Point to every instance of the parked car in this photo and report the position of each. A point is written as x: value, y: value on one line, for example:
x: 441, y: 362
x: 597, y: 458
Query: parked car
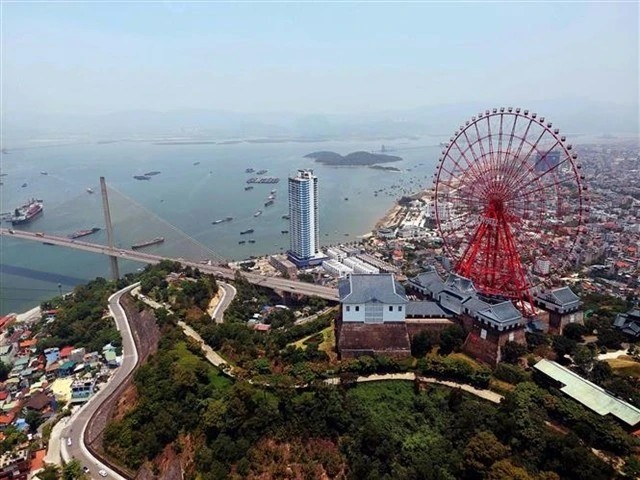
x: 102, y: 473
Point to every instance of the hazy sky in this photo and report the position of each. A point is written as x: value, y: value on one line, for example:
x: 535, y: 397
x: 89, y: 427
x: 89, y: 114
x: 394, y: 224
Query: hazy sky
x: 74, y: 57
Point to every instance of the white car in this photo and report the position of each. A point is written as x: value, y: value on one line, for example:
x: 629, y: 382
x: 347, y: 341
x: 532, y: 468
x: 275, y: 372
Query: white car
x: 69, y: 441
x: 102, y: 473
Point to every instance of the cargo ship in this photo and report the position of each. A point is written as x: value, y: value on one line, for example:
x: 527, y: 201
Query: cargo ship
x: 84, y: 233
x: 27, y: 212
x: 147, y: 244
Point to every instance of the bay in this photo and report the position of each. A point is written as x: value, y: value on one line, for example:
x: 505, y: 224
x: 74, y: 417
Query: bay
x: 198, y: 184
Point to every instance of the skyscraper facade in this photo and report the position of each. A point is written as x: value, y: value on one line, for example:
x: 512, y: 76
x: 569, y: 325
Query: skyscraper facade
x: 303, y: 214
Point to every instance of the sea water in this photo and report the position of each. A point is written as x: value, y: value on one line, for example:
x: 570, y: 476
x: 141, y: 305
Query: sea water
x: 186, y: 196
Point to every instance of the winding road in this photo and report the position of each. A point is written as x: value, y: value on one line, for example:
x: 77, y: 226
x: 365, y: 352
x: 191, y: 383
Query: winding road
x: 72, y: 442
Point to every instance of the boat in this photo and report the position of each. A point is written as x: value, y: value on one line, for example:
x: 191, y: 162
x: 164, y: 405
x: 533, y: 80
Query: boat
x: 286, y: 217
x: 258, y: 213
x: 24, y: 185
x: 245, y: 232
x: 44, y: 173
x: 273, y: 192
x: 141, y: 177
x: 89, y: 190
x: 152, y: 173
x: 252, y: 241
x: 84, y: 233
x: 284, y: 231
x: 217, y: 222
x: 148, y: 243
x: 261, y: 172
x: 248, y: 188
x: 48, y: 243
x: 346, y: 198
x: 228, y: 219
x: 27, y: 212
x: 196, y: 163
x: 268, y: 203
x: 242, y: 242
x: 249, y: 170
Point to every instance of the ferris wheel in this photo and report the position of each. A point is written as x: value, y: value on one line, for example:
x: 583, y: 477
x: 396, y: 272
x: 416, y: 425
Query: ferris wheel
x: 510, y: 203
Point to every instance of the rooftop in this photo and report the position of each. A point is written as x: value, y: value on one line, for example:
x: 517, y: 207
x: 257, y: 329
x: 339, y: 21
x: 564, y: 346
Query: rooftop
x: 425, y: 309
x: 563, y: 296
x: 589, y: 394
x: 363, y: 288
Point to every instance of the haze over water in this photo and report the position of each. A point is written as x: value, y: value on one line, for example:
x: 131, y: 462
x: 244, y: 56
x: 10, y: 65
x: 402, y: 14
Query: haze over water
x: 188, y: 196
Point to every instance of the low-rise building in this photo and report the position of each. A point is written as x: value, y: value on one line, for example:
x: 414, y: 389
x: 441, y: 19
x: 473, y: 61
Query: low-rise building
x: 372, y: 319
x: 589, y: 394
x: 563, y: 306
x: 629, y: 323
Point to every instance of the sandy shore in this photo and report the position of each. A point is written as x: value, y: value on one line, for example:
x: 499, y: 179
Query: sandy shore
x: 390, y: 218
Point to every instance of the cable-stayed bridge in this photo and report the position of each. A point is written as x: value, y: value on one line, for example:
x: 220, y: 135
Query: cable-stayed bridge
x: 132, y: 224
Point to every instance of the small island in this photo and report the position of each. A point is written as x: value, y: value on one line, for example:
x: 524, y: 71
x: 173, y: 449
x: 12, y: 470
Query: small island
x: 386, y: 169
x: 355, y: 158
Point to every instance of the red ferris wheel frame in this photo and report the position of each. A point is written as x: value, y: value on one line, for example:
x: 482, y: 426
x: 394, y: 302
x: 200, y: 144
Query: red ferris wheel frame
x: 509, y: 193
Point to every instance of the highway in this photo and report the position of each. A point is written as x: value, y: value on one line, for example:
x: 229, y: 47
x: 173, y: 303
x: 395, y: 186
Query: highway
x: 276, y: 283
x: 77, y: 426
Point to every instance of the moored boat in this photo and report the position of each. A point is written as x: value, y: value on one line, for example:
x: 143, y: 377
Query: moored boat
x: 27, y: 212
x: 84, y: 233
x: 148, y: 243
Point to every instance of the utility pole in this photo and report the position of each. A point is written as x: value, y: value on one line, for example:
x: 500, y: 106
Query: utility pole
x: 107, y: 220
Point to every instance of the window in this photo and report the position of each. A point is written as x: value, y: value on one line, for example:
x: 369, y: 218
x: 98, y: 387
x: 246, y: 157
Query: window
x: 357, y: 308
x: 348, y: 308
x: 483, y: 334
x: 400, y: 308
x: 511, y: 337
x: 391, y: 308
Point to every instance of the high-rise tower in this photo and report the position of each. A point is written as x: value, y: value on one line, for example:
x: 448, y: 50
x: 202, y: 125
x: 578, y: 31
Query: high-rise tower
x: 303, y: 213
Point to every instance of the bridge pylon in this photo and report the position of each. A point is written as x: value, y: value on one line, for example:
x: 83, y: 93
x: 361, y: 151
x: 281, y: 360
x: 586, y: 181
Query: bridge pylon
x: 115, y: 273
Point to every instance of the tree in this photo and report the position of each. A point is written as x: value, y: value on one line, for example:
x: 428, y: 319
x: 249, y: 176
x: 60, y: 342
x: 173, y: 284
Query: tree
x: 574, y: 331
x: 4, y: 371
x: 73, y: 471
x: 505, y: 470
x: 482, y: 451
x: 451, y: 339
x: 49, y: 472
x: 563, y: 346
x: 583, y: 357
x: 512, y: 351
x: 422, y: 343
x: 34, y: 420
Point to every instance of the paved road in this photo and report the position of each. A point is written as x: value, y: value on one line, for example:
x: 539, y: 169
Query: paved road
x: 228, y: 292
x: 276, y: 283
x: 76, y: 426
x: 478, y: 392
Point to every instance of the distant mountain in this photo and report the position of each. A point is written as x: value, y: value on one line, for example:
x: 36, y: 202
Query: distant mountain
x: 355, y: 158
x: 571, y: 115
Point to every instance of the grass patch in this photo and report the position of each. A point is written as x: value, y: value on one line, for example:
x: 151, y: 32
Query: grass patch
x: 461, y: 356
x: 500, y: 386
x: 328, y: 346
x: 625, y: 366
x: 303, y: 342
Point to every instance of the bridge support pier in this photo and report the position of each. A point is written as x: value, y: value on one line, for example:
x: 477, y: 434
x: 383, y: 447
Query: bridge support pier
x: 115, y: 273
